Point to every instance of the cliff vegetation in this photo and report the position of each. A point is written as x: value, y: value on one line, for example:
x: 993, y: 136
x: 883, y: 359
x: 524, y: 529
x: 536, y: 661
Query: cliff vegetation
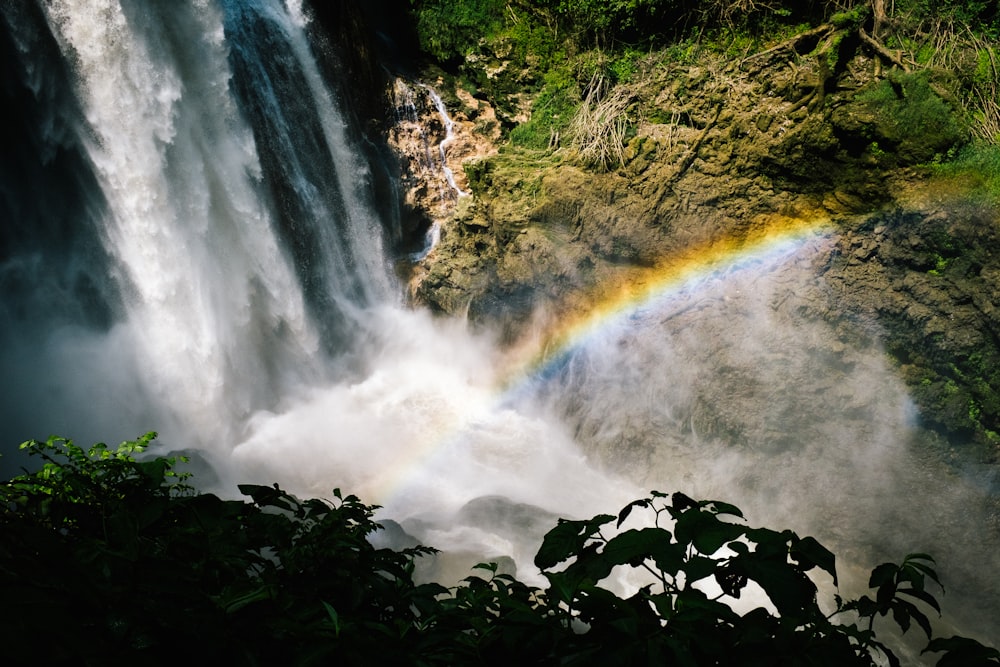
x: 111, y: 558
x: 626, y: 134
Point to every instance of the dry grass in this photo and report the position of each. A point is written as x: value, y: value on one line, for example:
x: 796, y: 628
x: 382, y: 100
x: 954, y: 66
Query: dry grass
x: 946, y: 44
x: 983, y: 96
x: 601, y: 124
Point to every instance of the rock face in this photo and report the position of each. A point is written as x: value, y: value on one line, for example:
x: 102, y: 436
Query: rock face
x: 431, y: 144
x: 885, y: 316
x: 928, y: 275
x: 723, y: 151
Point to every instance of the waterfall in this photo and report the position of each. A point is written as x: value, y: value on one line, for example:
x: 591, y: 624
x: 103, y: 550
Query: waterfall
x: 449, y: 136
x: 238, y: 210
x: 257, y: 322
x: 211, y: 264
x: 412, y: 136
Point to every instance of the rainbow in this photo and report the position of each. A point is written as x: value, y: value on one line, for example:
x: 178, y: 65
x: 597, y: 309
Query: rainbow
x: 601, y: 309
x: 640, y: 287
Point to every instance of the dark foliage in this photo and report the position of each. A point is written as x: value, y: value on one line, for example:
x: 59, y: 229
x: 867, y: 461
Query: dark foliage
x: 108, y: 560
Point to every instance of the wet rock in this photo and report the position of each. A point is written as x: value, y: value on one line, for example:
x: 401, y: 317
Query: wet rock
x: 723, y: 158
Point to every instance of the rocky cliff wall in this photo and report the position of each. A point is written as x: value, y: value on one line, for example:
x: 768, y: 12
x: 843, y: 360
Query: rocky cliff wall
x: 719, y: 150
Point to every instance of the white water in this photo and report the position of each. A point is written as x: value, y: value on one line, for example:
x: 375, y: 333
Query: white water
x: 449, y: 137
x: 232, y: 362
x: 219, y: 351
x: 212, y: 286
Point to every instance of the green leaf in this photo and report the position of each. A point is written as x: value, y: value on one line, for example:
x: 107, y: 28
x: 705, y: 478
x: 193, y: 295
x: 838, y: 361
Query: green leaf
x: 628, y: 510
x: 697, y: 568
x: 489, y: 567
x: 923, y: 596
x: 719, y: 507
x: 705, y: 531
x: 681, y: 502
x: 635, y: 546
x: 882, y: 575
x: 694, y: 604
x: 731, y: 582
x: 790, y: 590
x: 269, y: 496
x: 901, y: 614
x: 912, y: 563
x: 239, y: 596
x: 809, y: 552
x: 963, y: 652
x: 567, y: 539
x: 334, y: 617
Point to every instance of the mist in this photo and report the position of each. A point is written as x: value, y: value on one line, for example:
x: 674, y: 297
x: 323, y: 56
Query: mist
x: 238, y: 341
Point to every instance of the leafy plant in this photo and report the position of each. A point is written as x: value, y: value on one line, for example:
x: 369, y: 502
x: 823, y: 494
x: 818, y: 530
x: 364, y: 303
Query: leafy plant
x: 110, y: 560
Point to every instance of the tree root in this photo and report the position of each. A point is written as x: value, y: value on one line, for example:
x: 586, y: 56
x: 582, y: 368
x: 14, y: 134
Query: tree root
x: 789, y: 46
x: 689, y: 157
x: 882, y: 52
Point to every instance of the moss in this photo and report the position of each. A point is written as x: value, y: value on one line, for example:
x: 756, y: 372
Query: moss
x: 551, y: 111
x: 976, y: 169
x: 850, y: 19
x: 912, y: 118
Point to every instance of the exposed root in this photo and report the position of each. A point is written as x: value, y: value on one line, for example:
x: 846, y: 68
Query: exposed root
x: 884, y: 53
x: 798, y: 45
x: 984, y: 96
x: 688, y: 159
x: 601, y: 124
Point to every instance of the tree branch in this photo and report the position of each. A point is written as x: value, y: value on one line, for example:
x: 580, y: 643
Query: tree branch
x: 883, y: 52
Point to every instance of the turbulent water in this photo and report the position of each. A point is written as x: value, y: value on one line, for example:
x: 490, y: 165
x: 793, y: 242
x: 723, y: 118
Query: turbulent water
x: 191, y: 243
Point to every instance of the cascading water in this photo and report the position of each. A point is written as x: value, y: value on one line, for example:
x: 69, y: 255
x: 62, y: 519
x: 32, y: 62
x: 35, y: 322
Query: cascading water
x: 449, y: 137
x: 213, y: 269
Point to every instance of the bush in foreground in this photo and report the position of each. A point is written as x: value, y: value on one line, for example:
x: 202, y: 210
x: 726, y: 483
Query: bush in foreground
x: 105, y: 559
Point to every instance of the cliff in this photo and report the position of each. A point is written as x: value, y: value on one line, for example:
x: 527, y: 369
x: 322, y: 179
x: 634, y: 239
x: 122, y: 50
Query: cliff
x: 710, y: 149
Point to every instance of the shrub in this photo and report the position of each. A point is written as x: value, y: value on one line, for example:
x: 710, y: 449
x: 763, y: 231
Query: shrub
x: 551, y: 112
x: 108, y: 560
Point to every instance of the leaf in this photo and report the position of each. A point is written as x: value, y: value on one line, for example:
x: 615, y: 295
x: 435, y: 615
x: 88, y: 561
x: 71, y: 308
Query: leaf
x: 963, y: 652
x: 923, y: 596
x: 564, y: 589
x: 681, y: 502
x: 901, y: 615
x: 699, y: 567
x: 920, y: 618
x: 912, y: 562
x: 731, y: 582
x: 334, y: 617
x: 236, y: 597
x: 567, y: 539
x: 635, y: 546
x: 694, y: 604
x: 489, y: 567
x: 883, y: 574
x: 789, y: 589
x: 269, y: 496
x: 590, y: 566
x: 628, y: 510
x: 864, y: 606
x: 705, y: 531
x: 883, y: 579
x: 719, y: 507
x: 808, y: 551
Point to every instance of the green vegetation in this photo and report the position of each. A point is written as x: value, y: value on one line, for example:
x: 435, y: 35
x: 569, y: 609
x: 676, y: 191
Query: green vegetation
x: 911, y: 112
x: 975, y: 169
x: 548, y: 48
x: 452, y: 30
x: 551, y: 112
x: 110, y: 560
